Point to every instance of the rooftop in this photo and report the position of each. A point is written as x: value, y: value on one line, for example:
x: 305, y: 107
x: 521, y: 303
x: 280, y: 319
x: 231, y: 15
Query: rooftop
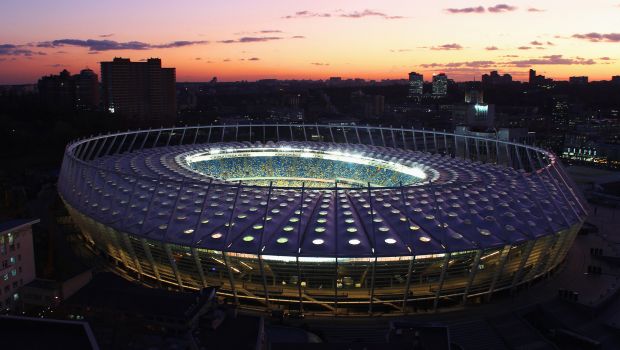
x: 37, y: 333
x: 16, y: 224
x: 467, y: 205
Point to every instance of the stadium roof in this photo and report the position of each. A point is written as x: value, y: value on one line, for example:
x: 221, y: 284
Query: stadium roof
x: 467, y: 205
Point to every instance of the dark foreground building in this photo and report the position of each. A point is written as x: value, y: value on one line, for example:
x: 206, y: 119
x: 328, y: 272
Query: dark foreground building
x: 65, y: 92
x: 37, y: 333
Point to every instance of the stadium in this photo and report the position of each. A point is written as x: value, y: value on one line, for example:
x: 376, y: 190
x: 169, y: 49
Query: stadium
x: 323, y: 219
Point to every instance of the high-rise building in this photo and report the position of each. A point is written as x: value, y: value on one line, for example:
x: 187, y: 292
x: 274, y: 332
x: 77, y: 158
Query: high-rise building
x: 86, y: 90
x: 66, y: 92
x: 494, y: 78
x: 57, y: 92
x: 578, y: 80
x: 378, y: 105
x: 440, y: 85
x: 474, y: 96
x: 540, y: 80
x: 16, y: 260
x: 416, y: 85
x: 560, y: 113
x: 139, y: 91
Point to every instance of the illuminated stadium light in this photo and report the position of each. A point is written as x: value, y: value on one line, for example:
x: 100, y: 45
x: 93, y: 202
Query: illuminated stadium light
x: 317, y: 241
x: 200, y: 162
x: 404, y: 215
x: 481, y: 109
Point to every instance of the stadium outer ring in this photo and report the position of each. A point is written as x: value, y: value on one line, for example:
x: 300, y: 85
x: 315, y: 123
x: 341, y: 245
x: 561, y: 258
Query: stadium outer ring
x: 329, y: 284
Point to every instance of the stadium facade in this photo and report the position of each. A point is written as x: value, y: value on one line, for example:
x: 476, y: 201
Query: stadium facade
x: 325, y: 219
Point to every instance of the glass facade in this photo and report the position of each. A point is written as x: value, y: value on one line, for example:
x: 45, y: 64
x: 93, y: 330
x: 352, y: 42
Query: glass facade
x: 334, y: 285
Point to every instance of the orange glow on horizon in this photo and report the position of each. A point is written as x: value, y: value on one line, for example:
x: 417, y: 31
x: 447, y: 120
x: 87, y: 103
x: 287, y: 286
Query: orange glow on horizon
x: 235, y: 41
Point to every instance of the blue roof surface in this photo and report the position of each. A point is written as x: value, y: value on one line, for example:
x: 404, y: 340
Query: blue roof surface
x: 153, y: 193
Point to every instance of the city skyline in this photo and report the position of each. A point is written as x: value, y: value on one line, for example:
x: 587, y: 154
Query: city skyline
x: 237, y: 40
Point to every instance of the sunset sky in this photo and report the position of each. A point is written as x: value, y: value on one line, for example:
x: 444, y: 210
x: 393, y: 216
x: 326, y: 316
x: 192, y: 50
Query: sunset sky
x: 249, y: 40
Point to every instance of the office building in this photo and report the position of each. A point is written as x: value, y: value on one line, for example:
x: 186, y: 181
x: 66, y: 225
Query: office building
x: 141, y: 92
x: 416, y: 85
x: 494, y: 78
x: 539, y: 80
x: 532, y: 76
x: 440, y: 85
x: 474, y: 96
x: 578, y: 80
x: 16, y: 260
x: 378, y: 105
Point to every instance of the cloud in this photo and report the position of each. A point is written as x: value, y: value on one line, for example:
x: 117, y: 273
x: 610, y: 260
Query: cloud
x: 400, y: 50
x: 18, y: 50
x: 369, y: 13
x: 499, y: 8
x: 552, y: 60
x: 599, y: 37
x: 534, y: 9
x: 319, y: 64
x: 340, y: 13
x: 106, y: 35
x: 545, y: 60
x: 57, y: 65
x: 197, y: 58
x: 251, y: 39
x: 226, y: 60
x: 478, y: 9
x: 605, y: 58
x: 262, y: 31
x: 447, y: 47
x: 524, y: 47
x: 253, y: 59
x: 467, y: 64
x: 180, y: 43
x: 298, y: 37
x: 511, y: 56
x: 539, y: 44
x: 307, y: 14
x: 491, y: 48
x: 111, y: 45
